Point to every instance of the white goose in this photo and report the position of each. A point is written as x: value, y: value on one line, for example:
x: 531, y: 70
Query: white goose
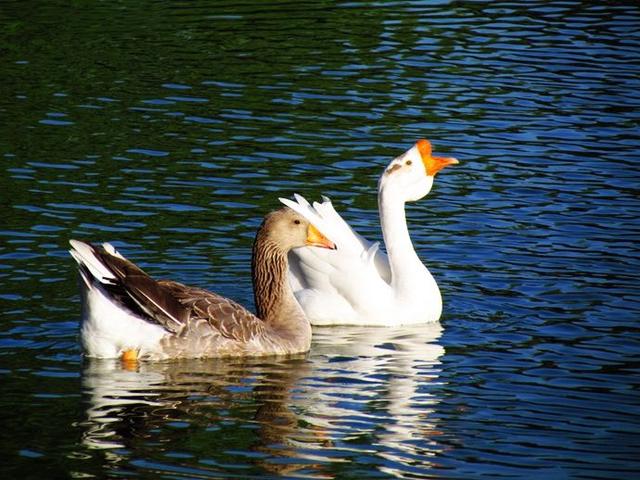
x: 357, y: 284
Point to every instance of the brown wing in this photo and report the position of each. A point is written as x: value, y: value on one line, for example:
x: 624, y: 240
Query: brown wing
x: 176, y: 307
x: 227, y: 317
x: 149, y: 295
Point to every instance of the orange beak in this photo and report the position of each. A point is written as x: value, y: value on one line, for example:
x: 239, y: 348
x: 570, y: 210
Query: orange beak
x: 317, y: 239
x: 433, y: 165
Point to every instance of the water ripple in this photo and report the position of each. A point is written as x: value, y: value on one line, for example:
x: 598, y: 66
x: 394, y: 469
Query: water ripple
x: 171, y: 129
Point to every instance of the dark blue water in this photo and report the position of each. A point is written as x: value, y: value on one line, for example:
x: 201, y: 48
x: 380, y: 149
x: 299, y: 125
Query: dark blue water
x: 171, y: 129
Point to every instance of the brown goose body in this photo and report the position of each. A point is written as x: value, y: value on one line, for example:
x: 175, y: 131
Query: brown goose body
x: 126, y: 313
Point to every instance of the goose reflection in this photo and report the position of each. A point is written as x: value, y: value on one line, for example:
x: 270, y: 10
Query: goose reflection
x: 221, y: 406
x: 377, y: 383
x: 274, y: 415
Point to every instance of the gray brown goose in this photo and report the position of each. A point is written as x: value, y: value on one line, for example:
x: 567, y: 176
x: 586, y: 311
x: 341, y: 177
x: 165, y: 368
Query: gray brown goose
x: 128, y: 314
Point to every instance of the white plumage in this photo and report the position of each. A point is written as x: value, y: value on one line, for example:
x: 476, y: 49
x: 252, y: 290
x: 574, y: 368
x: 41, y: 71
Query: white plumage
x: 358, y: 284
x: 108, y: 328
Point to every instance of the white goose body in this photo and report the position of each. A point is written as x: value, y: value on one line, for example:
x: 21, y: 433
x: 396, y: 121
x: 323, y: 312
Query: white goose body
x: 357, y: 284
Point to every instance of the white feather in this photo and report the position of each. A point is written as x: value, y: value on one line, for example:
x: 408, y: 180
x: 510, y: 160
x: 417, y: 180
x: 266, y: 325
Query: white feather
x: 108, y: 328
x: 357, y: 283
x: 84, y: 255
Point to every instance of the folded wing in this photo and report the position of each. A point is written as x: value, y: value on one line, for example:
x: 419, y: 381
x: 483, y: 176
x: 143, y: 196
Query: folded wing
x: 338, y: 285
x: 179, y: 309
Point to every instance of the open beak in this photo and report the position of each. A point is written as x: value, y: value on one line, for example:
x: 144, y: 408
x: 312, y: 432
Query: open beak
x: 317, y: 239
x: 438, y: 163
x: 433, y: 165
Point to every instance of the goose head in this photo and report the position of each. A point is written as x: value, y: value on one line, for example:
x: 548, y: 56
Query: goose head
x: 410, y: 176
x: 288, y: 229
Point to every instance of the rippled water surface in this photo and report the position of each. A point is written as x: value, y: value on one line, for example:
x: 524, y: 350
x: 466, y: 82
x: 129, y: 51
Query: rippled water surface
x: 170, y: 129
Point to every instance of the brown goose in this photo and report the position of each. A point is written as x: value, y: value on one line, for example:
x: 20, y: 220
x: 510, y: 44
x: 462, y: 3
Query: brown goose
x: 128, y: 314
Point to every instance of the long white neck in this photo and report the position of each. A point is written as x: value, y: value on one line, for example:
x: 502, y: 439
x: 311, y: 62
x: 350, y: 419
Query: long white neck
x: 407, y: 271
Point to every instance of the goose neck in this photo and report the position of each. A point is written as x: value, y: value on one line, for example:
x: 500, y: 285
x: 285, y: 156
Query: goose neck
x: 405, y: 264
x: 274, y: 300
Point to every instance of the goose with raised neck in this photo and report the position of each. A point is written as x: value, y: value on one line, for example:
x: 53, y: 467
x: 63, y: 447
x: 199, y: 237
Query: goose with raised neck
x: 358, y: 284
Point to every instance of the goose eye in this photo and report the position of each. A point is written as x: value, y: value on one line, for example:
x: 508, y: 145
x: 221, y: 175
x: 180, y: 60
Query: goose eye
x: 297, y: 222
x: 409, y: 162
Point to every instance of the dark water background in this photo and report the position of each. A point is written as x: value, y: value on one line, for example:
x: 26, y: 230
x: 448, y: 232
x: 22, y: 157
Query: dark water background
x: 171, y: 128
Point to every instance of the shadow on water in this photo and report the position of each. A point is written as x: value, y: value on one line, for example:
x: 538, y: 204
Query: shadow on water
x: 361, y: 393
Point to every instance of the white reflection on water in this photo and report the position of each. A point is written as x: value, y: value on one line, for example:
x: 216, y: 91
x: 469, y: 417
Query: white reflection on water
x: 360, y: 391
x: 376, y: 382
x: 113, y: 386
